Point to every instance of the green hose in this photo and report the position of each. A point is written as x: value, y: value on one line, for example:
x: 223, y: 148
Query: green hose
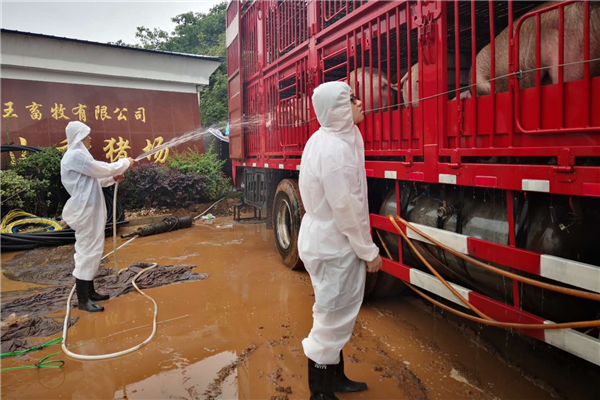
x: 43, y: 363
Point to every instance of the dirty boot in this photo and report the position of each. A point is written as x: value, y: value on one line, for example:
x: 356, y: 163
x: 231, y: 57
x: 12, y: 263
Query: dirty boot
x: 342, y: 383
x: 83, y: 297
x: 95, y: 296
x: 321, y: 381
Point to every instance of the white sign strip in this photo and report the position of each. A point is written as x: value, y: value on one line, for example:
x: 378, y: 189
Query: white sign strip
x: 448, y: 178
x: 232, y: 31
x: 298, y: 167
x: 266, y: 165
x: 575, y: 273
x: 391, y: 174
x: 455, y: 240
x: 434, y: 285
x: 534, y: 185
x: 281, y: 166
x: 254, y: 164
x: 577, y: 343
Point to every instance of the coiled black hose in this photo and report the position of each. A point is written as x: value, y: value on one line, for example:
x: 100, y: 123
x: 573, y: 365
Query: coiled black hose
x: 26, y: 241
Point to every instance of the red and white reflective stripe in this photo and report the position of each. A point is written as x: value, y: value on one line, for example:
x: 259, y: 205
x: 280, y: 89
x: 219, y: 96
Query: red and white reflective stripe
x: 569, y: 340
x: 535, y: 185
x: 575, y: 273
x: 455, y: 240
x: 582, y: 275
x: 447, y: 178
x: 391, y: 175
x: 574, y: 342
x: 434, y: 285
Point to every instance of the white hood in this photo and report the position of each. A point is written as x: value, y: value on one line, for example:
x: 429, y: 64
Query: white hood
x: 331, y: 102
x: 76, y: 132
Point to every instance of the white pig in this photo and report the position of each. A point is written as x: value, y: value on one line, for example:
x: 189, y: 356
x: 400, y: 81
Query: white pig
x: 464, y: 78
x: 573, y: 48
x: 293, y: 113
x: 356, y: 77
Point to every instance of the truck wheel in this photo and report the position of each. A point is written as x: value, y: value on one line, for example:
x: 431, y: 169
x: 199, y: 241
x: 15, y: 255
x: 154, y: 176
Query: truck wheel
x: 287, y: 214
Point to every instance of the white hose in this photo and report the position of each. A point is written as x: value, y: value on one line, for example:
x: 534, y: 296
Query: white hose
x: 66, y: 324
x: 208, y: 209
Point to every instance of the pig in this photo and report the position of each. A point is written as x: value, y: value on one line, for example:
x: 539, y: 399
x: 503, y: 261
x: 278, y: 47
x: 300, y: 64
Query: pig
x: 414, y: 71
x: 573, y: 50
x: 414, y: 77
x: 291, y: 114
x: 355, y: 82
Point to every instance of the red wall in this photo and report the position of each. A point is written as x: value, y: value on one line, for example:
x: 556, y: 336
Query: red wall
x: 167, y: 114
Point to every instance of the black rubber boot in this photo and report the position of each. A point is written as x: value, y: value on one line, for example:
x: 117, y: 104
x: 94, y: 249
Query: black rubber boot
x: 95, y: 295
x: 321, y: 381
x: 83, y: 297
x: 342, y: 383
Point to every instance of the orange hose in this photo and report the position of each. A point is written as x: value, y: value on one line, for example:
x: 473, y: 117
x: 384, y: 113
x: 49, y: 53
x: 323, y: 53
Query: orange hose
x: 437, y: 275
x: 529, y: 281
x: 486, y: 320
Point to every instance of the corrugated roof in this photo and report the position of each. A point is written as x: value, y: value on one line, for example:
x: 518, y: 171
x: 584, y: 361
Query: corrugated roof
x: 171, y: 53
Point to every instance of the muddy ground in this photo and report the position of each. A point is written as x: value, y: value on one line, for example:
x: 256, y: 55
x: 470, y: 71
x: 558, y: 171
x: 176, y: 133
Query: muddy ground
x: 237, y: 335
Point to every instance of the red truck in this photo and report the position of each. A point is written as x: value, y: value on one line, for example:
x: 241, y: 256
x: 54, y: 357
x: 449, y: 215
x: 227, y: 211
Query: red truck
x: 482, y: 130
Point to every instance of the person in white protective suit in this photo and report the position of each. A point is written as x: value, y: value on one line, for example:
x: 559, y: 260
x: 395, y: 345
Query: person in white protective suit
x: 85, y: 211
x: 335, y: 241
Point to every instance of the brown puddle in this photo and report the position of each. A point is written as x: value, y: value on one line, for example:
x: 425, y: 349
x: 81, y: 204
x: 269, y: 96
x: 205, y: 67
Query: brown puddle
x: 237, y: 335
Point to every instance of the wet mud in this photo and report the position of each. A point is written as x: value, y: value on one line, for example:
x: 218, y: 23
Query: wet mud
x: 237, y: 335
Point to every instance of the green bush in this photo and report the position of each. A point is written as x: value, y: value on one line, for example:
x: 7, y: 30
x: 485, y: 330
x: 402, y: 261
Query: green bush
x: 204, y: 164
x: 43, y: 170
x: 17, y: 192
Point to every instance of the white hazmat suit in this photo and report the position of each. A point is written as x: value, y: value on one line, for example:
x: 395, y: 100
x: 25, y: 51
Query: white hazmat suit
x: 85, y: 211
x: 334, y: 240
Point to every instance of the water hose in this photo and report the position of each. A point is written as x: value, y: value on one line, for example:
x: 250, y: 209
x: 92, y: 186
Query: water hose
x: 43, y: 363
x: 17, y: 218
x: 116, y: 267
x: 485, y: 319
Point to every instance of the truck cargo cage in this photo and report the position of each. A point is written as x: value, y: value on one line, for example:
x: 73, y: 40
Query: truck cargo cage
x: 286, y: 27
x: 289, y: 107
x: 469, y: 105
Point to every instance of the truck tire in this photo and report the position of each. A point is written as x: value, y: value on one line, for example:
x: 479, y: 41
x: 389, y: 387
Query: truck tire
x: 288, y: 211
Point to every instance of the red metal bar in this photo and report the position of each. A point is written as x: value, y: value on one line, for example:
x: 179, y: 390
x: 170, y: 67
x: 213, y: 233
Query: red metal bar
x: 329, y: 16
x: 371, y: 65
x: 511, y: 69
x: 538, y: 64
x: 492, y: 71
x: 410, y: 93
x: 378, y: 136
x: 459, y: 102
x: 389, y: 61
x: 397, y: 132
x: 363, y: 41
x: 561, y: 60
x: 474, y: 69
x: 586, y: 58
x: 399, y: 212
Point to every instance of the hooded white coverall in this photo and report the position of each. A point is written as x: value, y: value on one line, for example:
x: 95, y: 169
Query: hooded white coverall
x: 85, y: 211
x: 334, y: 240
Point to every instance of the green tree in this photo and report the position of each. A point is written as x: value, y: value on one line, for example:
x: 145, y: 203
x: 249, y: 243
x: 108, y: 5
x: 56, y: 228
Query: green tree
x: 196, y: 33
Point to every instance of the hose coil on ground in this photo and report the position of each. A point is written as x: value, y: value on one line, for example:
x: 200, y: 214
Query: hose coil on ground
x: 16, y: 242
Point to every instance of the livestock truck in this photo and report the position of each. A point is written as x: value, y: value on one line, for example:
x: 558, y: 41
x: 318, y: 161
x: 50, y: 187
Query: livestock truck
x: 482, y: 130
